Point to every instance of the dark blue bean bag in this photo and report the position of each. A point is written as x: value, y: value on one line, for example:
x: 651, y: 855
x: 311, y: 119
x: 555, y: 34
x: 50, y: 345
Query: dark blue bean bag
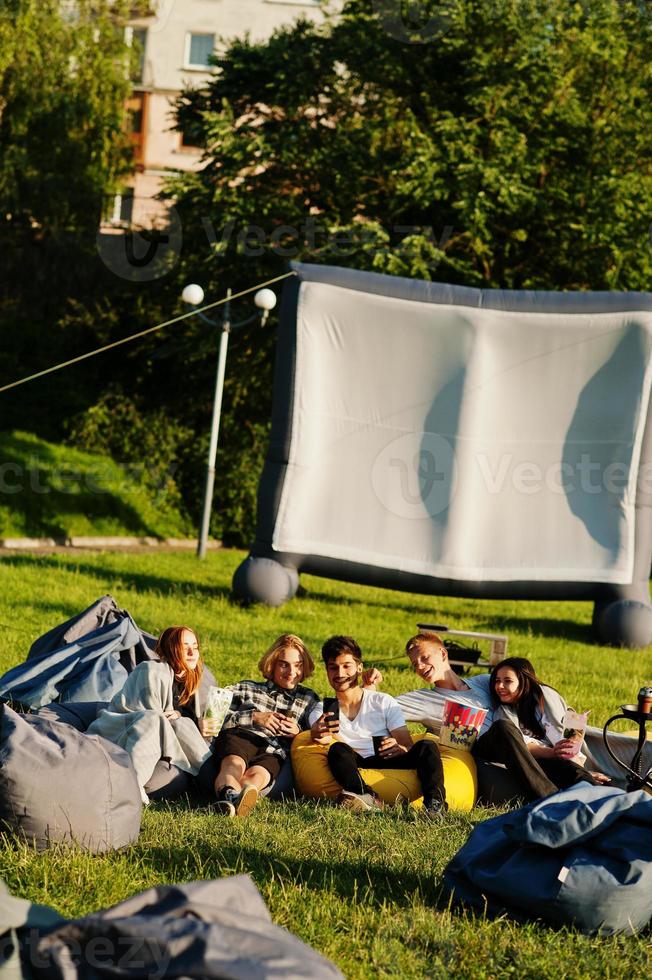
x: 580, y: 857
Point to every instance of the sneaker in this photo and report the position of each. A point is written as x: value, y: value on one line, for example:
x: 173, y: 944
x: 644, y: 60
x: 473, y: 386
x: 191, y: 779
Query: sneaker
x: 225, y: 803
x: 224, y: 807
x: 359, y: 802
x: 246, y: 800
x: 435, y: 809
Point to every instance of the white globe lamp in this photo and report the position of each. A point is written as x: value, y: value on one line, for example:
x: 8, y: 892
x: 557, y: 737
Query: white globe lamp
x: 193, y: 294
x: 265, y: 299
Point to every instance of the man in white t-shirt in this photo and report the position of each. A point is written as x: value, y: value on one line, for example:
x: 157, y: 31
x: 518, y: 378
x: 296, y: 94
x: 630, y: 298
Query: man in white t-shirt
x: 363, y: 714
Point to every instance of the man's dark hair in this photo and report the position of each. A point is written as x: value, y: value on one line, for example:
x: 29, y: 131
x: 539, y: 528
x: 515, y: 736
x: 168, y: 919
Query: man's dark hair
x: 336, y: 645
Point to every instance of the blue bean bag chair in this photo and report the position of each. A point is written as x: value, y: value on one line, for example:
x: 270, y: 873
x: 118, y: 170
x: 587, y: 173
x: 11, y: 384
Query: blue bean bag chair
x: 580, y: 857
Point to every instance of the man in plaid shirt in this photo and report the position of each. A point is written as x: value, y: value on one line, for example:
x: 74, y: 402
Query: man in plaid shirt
x: 256, y: 706
x: 263, y: 719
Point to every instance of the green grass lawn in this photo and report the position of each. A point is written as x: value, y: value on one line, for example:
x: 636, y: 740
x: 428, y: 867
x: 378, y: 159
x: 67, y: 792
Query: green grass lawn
x: 363, y: 891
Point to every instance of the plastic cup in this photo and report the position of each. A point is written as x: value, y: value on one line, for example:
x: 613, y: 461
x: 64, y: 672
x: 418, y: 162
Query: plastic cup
x: 211, y: 725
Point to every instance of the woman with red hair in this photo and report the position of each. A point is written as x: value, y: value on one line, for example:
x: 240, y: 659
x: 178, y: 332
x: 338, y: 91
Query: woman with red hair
x: 156, y: 716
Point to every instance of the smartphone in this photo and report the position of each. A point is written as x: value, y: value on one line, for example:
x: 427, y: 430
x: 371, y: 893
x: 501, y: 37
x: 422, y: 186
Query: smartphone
x: 332, y: 708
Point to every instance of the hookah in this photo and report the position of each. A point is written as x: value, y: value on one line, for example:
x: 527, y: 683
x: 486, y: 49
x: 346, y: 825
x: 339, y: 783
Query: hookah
x: 642, y: 714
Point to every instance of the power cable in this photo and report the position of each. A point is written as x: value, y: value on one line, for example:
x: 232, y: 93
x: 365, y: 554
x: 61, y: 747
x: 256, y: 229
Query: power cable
x: 143, y: 333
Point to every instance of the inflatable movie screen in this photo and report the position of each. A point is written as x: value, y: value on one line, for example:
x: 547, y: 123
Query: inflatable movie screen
x: 465, y: 442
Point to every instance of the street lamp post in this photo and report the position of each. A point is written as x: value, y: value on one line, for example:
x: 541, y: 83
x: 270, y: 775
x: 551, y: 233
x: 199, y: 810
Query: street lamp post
x: 193, y: 295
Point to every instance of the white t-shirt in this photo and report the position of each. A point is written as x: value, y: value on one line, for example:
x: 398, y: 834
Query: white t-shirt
x: 379, y: 714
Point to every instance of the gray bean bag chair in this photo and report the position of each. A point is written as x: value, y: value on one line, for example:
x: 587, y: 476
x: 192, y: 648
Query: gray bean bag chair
x: 57, y: 784
x: 496, y: 786
x: 86, y: 658
x: 283, y: 787
x: 166, y: 782
x: 205, y: 929
x: 79, y: 714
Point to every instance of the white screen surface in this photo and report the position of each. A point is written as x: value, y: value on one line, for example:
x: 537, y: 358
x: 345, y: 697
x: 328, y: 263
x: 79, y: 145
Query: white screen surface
x: 465, y: 443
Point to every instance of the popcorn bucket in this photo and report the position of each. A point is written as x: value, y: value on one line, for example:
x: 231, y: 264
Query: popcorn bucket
x: 461, y: 725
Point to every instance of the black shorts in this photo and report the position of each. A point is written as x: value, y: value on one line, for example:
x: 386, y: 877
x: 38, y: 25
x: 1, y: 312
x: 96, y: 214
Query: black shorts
x: 246, y: 745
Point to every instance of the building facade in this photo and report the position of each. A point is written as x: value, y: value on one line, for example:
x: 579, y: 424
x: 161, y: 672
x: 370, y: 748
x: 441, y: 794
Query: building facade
x: 175, y: 44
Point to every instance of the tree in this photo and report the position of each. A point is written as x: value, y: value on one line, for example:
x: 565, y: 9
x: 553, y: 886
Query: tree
x: 64, y: 75
x: 63, y: 83
x: 513, y: 150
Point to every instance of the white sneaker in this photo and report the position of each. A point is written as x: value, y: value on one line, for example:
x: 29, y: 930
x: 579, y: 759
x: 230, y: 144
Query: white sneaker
x: 359, y: 802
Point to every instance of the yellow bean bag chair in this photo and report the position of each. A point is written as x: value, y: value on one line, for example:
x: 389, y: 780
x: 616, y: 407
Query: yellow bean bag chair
x: 313, y: 777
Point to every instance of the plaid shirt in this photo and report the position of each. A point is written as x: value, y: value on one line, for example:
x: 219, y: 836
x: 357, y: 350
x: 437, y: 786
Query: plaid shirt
x: 250, y: 696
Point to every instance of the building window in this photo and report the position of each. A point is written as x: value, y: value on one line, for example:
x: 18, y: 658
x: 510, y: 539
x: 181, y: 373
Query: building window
x: 120, y: 208
x: 199, y: 50
x: 139, y: 43
x: 190, y: 139
x: 136, y: 39
x: 135, y: 108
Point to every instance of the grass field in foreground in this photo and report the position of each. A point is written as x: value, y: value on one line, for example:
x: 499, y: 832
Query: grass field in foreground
x: 363, y: 891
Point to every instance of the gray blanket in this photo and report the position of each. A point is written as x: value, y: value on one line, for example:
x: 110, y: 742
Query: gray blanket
x: 135, y: 720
